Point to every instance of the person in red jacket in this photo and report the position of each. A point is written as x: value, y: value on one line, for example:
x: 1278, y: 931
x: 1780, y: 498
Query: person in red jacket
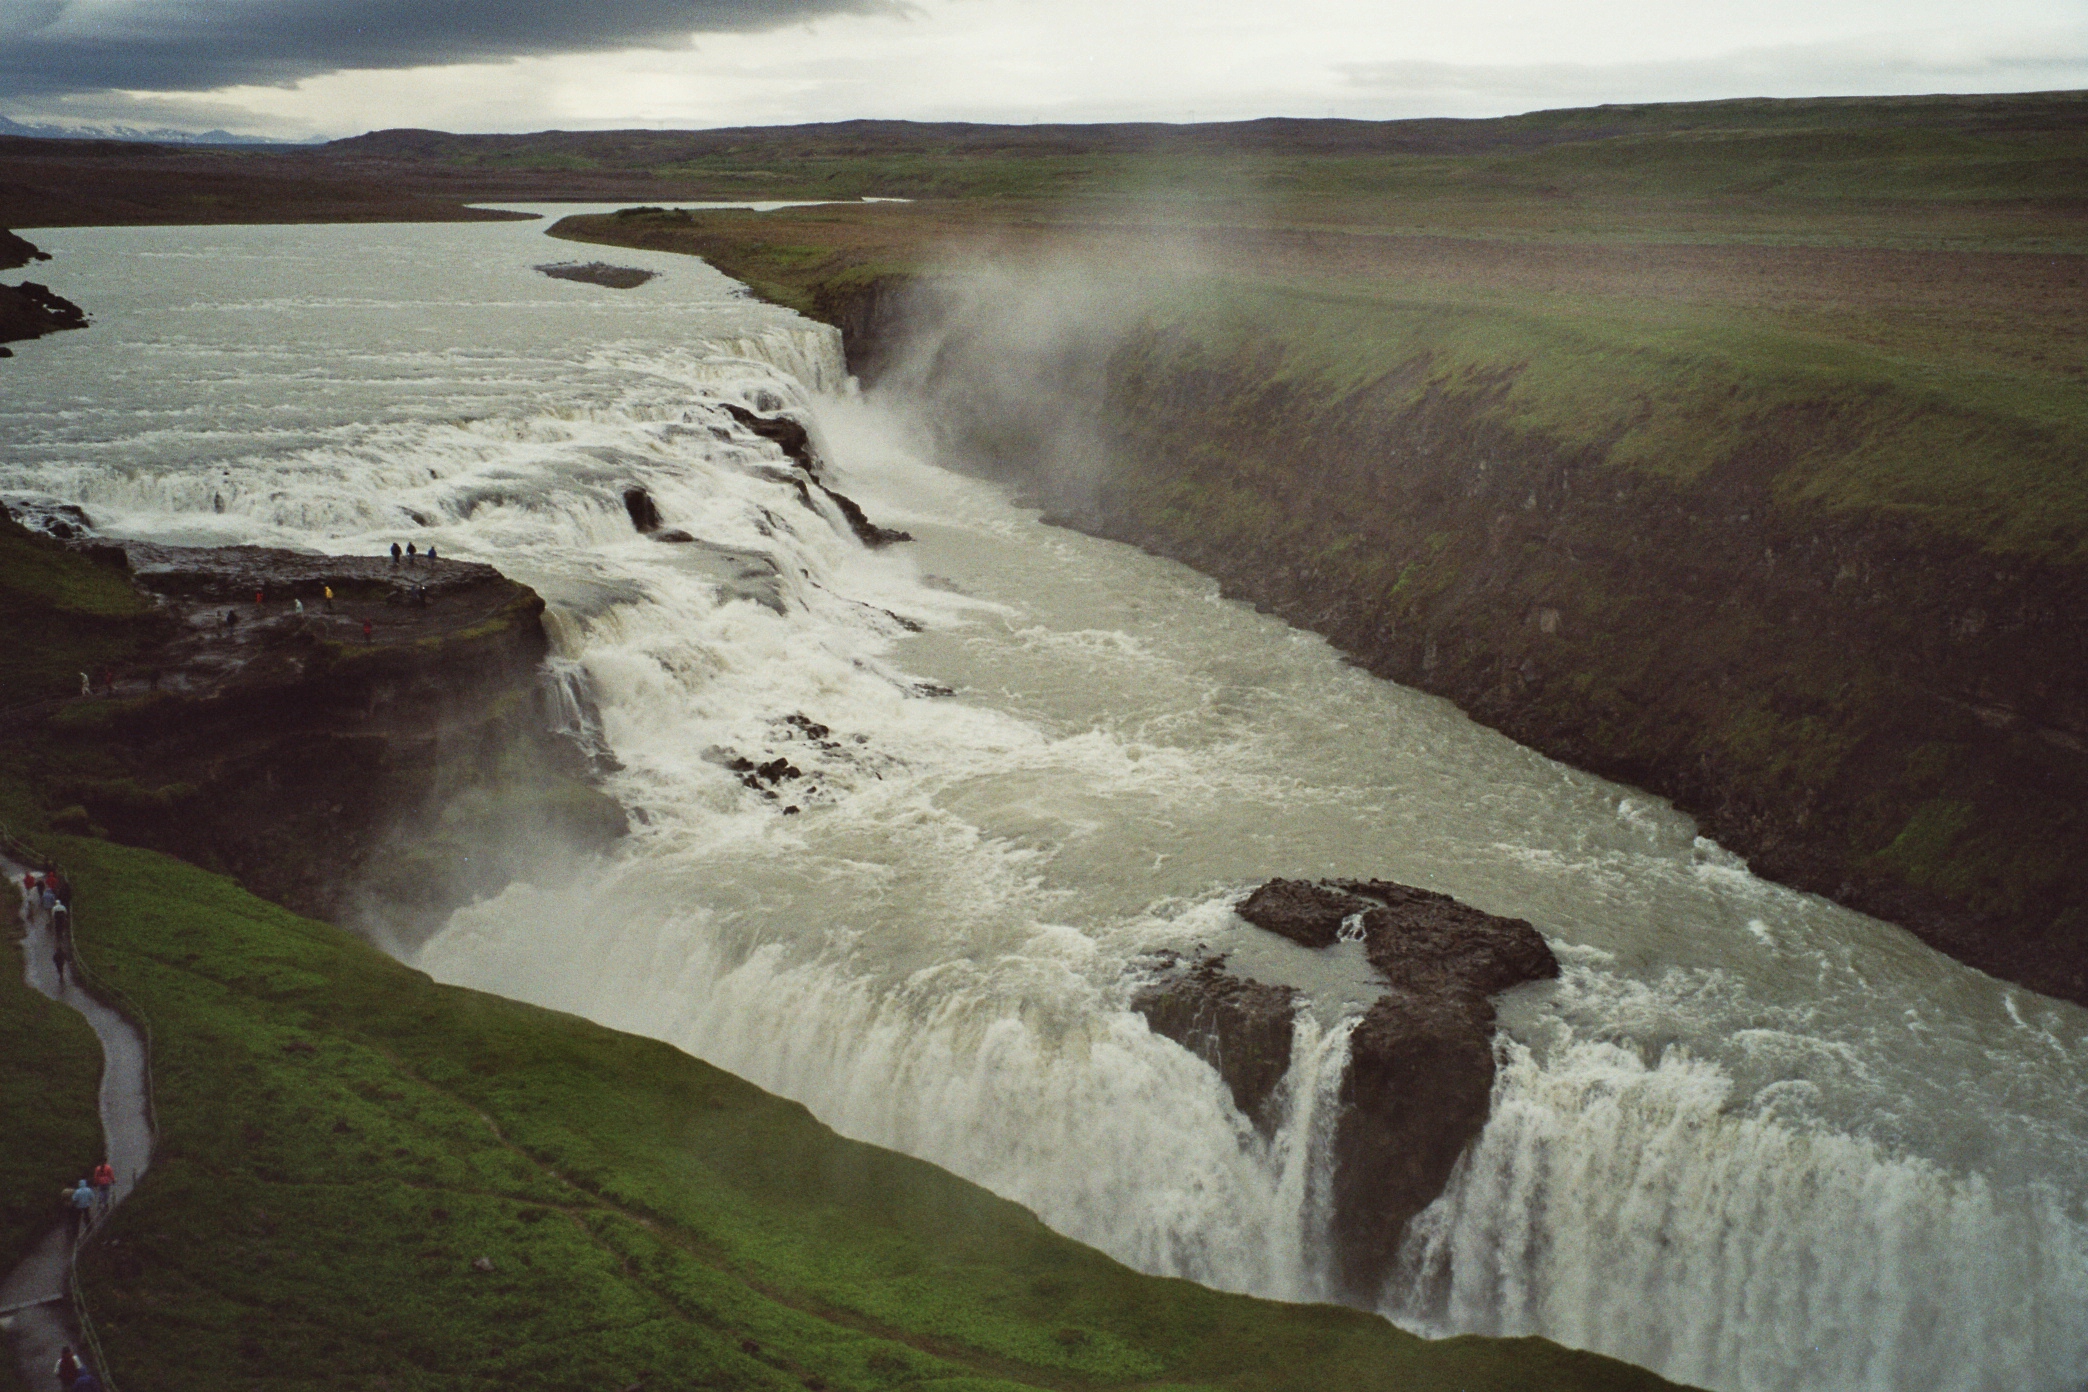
x: 104, y: 1184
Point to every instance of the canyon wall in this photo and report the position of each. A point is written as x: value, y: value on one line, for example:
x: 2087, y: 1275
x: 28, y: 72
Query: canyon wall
x: 1861, y: 703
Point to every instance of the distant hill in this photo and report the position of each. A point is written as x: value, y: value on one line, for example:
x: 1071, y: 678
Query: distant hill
x: 2017, y: 113
x: 158, y: 135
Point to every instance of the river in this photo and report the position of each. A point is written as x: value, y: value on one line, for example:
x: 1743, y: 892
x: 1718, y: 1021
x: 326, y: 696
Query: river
x: 1749, y: 1139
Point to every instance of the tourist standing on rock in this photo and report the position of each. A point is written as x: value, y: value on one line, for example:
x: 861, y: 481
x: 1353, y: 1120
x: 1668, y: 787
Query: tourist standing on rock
x: 411, y: 552
x: 395, y: 553
x: 369, y: 632
x: 431, y: 550
x: 231, y: 618
x: 329, y: 598
x: 104, y: 1185
x: 83, y: 1209
x: 67, y: 1368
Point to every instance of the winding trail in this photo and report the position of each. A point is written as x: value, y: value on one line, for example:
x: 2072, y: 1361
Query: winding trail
x: 35, y: 1294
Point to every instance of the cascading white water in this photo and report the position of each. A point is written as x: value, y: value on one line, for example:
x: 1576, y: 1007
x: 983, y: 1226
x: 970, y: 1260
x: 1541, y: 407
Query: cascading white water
x: 1750, y: 1139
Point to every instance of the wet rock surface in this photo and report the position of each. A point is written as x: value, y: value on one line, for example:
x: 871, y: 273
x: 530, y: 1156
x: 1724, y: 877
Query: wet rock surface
x: 1308, y: 914
x: 1241, y: 1028
x: 377, y: 759
x: 1419, y: 1079
x: 1421, y: 1066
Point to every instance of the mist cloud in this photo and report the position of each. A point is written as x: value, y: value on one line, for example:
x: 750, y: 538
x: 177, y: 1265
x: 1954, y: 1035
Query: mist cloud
x: 52, y: 47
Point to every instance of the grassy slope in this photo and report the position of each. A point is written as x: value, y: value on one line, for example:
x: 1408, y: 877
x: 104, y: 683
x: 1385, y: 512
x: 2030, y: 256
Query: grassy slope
x: 61, y: 616
x: 50, y: 1068
x: 342, y: 1138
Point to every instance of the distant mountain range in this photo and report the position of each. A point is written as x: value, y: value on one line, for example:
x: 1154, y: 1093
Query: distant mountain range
x: 158, y: 135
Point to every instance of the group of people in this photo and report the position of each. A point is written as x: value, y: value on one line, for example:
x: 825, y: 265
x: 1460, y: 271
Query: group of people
x: 412, y: 553
x: 74, y: 1373
x: 48, y: 895
x: 89, y: 1199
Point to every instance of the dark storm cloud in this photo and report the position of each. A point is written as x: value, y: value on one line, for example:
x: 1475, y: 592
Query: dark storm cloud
x: 49, y: 47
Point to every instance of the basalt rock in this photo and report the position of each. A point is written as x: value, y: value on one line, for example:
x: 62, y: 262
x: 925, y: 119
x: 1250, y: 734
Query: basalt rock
x: 1421, y: 1066
x: 786, y: 434
x: 374, y: 760
x: 645, y: 513
x: 1306, y: 913
x: 1241, y: 1028
x: 599, y: 273
x: 1420, y: 1074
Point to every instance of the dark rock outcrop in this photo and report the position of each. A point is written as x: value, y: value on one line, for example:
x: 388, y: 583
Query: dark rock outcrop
x: 645, y: 513
x: 17, y: 251
x: 1421, y: 1065
x: 1241, y: 1028
x: 30, y: 310
x: 1306, y: 913
x: 380, y: 774
x: 1420, y: 1074
x: 791, y: 436
x: 599, y: 273
x: 786, y: 433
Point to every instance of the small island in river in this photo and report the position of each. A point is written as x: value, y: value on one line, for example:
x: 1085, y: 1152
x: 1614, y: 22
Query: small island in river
x: 599, y: 273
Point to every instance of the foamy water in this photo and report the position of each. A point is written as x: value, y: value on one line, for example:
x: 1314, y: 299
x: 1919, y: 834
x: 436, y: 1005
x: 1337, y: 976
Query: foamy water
x: 1749, y: 1139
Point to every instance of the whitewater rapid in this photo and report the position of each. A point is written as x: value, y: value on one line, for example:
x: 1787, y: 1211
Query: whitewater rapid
x: 1749, y: 1139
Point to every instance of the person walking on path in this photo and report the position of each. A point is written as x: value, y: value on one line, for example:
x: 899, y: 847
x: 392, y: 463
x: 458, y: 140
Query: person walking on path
x: 67, y: 1368
x: 61, y: 958
x: 48, y: 898
x: 104, y: 1184
x: 329, y: 599
x: 61, y: 923
x: 83, y: 1209
x: 86, y: 686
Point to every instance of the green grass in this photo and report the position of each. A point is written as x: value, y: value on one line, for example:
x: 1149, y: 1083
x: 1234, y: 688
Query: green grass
x: 343, y: 1138
x: 50, y: 1070
x: 1988, y: 457
x: 62, y: 615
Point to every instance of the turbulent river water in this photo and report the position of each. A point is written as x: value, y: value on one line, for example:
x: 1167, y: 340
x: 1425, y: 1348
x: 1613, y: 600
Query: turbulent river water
x: 1749, y: 1139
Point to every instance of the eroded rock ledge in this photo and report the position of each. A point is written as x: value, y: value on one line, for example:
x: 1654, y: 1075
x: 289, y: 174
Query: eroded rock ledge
x: 1421, y: 1067
x: 375, y: 760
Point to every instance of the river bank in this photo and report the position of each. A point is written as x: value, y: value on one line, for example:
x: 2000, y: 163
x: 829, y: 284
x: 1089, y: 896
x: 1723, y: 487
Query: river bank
x: 1830, y: 609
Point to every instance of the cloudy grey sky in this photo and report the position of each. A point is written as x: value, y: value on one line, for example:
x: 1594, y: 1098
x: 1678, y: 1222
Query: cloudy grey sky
x: 339, y: 67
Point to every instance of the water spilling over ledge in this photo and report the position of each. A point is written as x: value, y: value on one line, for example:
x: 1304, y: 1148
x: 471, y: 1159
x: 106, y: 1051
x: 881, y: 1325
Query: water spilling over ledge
x: 1730, y: 1142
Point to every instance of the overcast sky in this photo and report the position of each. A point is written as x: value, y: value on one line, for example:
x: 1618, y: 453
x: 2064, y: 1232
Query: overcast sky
x: 340, y: 67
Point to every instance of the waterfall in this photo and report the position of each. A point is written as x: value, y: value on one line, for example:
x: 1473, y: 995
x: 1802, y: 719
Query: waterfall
x: 1629, y: 1207
x: 1750, y: 1140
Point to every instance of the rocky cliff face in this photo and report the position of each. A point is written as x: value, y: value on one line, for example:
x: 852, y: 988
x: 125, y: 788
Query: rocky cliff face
x: 375, y: 759
x: 1858, y: 704
x: 1419, y: 1078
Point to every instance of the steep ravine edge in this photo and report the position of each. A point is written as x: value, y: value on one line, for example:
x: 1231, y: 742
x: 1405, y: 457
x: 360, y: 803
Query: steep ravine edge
x: 1863, y: 708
